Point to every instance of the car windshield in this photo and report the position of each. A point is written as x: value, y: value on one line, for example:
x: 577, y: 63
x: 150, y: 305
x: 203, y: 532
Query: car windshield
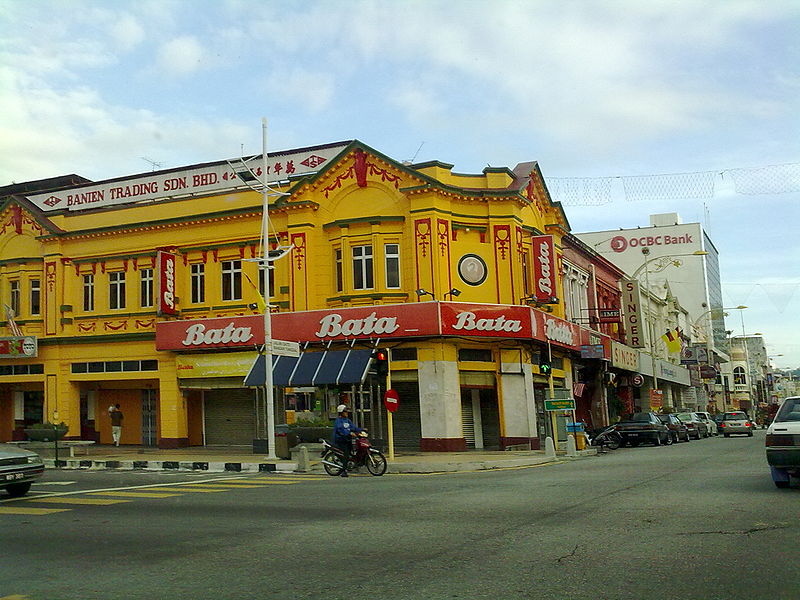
x: 664, y: 418
x: 734, y: 416
x: 790, y: 411
x: 686, y: 417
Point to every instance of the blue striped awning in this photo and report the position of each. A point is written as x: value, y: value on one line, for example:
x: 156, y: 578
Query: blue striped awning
x: 329, y: 367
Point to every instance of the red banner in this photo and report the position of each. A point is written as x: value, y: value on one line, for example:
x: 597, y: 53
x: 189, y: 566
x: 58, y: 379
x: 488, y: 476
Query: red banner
x: 557, y: 331
x: 544, y: 269
x: 165, y: 287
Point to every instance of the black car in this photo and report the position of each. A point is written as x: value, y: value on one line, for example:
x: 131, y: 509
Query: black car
x: 676, y: 427
x: 644, y: 427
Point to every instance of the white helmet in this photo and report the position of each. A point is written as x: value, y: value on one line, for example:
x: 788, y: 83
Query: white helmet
x: 341, y: 408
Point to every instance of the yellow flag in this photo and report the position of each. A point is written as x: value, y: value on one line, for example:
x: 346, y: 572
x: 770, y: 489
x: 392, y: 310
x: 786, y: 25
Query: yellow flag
x: 672, y: 340
x: 260, y: 302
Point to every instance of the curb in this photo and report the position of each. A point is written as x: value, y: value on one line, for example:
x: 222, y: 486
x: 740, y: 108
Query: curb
x: 168, y: 465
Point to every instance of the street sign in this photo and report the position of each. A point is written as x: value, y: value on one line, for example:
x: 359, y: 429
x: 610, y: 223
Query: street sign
x: 637, y: 379
x: 391, y: 400
x: 285, y: 348
x: 559, y: 404
x: 656, y: 398
x: 19, y: 347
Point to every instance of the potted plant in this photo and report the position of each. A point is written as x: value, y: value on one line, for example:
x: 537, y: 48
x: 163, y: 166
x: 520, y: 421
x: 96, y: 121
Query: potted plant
x: 46, y: 432
x: 310, y: 431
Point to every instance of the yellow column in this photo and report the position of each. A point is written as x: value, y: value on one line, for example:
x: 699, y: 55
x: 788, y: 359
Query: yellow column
x: 173, y: 413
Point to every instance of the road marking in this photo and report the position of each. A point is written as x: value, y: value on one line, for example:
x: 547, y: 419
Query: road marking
x: 64, y: 500
x: 195, y: 489
x: 229, y: 486
x: 23, y: 510
x: 136, y: 494
x: 52, y: 483
x: 251, y: 484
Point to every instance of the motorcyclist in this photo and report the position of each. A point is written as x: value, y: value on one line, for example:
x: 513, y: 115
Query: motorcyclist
x: 343, y: 432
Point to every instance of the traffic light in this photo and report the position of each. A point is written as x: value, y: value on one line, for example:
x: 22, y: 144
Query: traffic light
x: 545, y: 368
x: 380, y: 360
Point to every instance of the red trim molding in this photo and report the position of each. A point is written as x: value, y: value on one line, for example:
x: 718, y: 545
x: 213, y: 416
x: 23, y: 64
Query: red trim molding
x: 443, y: 444
x: 505, y: 442
x: 170, y: 443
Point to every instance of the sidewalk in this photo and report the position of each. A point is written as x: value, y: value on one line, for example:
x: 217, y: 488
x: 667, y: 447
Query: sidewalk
x: 241, y: 459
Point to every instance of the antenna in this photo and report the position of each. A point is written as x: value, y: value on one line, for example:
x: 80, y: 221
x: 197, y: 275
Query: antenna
x: 417, y: 152
x: 155, y: 165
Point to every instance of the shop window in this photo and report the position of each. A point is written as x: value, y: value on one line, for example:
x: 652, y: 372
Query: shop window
x: 739, y: 378
x: 36, y: 296
x: 403, y: 354
x: 198, y: 283
x: 15, y: 297
x: 88, y: 293
x: 339, y: 270
x: 262, y: 276
x: 146, y: 287
x: 231, y: 280
x: 116, y: 290
x: 475, y: 355
x: 392, y: 257
x: 113, y: 366
x: 362, y: 268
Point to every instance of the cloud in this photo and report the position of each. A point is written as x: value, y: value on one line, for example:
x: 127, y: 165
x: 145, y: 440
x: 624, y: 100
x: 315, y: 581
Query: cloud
x: 181, y: 56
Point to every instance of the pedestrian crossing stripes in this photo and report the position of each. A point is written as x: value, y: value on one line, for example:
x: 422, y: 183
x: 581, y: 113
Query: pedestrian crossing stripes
x: 25, y: 510
x: 76, y: 500
x: 137, y: 494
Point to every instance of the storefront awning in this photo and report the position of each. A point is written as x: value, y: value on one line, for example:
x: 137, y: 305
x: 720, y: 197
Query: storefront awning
x: 330, y: 367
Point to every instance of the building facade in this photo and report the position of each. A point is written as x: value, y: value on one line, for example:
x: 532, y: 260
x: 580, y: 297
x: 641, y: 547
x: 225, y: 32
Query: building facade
x: 146, y: 291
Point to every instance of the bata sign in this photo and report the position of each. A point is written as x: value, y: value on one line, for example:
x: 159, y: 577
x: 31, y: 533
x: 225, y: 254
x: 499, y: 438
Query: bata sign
x: 165, y: 267
x: 202, y: 179
x: 544, y: 268
x: 422, y: 319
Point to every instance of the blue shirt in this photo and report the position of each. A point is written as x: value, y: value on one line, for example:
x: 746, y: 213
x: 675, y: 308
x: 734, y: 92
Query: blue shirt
x: 342, y: 428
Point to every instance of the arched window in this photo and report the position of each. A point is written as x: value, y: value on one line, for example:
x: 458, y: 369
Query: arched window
x: 739, y: 376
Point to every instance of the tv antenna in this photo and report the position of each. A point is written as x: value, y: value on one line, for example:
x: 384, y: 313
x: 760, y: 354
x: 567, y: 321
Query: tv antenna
x: 154, y: 164
x: 417, y: 152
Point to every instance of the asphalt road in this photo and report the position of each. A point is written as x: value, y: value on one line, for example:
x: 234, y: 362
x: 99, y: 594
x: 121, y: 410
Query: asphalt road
x: 693, y: 520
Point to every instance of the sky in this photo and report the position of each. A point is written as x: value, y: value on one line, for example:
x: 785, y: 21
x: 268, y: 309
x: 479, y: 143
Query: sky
x: 613, y: 89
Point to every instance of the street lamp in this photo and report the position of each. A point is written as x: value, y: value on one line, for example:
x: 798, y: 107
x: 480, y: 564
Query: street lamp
x: 662, y: 262
x: 421, y: 292
x: 454, y: 292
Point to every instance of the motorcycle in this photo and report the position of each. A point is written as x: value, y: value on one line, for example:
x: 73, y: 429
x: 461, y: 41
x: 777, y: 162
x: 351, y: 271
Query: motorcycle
x: 606, y: 438
x: 362, y: 455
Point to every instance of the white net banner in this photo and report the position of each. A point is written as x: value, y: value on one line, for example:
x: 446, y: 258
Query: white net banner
x: 773, y: 179
x: 673, y: 186
x: 580, y: 191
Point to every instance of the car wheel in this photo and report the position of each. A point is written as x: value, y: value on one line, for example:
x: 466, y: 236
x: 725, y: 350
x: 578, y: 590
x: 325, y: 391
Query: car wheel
x: 782, y: 484
x: 18, y: 489
x: 749, y: 434
x: 688, y: 437
x: 670, y: 440
x: 727, y: 435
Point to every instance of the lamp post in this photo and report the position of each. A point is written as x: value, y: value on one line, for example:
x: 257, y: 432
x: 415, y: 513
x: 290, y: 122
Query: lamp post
x: 662, y: 262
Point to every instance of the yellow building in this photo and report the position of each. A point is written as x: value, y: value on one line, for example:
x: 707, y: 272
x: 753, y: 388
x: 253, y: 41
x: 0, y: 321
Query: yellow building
x: 93, y: 270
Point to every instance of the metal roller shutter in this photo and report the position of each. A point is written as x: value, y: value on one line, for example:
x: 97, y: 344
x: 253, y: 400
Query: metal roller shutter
x: 229, y: 417
x: 407, y: 427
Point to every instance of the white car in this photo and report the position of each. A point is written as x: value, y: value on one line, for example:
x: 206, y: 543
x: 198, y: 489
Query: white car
x: 783, y: 443
x: 709, y: 421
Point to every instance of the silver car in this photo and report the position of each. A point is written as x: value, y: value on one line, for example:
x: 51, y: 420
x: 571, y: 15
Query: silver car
x: 709, y: 421
x: 18, y: 469
x: 735, y: 422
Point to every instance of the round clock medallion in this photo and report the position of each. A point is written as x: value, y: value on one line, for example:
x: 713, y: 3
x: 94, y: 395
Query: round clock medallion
x: 472, y: 269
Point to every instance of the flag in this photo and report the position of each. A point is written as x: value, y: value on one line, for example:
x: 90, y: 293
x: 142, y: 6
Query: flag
x: 673, y: 340
x: 260, y: 302
x: 15, y: 330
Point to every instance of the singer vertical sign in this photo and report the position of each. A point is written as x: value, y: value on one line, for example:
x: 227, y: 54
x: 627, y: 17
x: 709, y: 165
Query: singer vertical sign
x: 165, y: 269
x: 544, y: 269
x: 632, y: 307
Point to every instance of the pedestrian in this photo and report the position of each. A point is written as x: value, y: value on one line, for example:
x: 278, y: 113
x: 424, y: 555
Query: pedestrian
x: 116, y: 424
x: 343, y: 432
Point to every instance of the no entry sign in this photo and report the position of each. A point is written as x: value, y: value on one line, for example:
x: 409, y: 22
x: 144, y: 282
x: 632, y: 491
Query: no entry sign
x: 391, y: 400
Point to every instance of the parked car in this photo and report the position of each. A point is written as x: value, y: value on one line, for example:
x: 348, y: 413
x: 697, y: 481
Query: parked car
x: 696, y: 427
x: 677, y: 429
x: 717, y: 420
x: 18, y: 469
x: 735, y: 422
x: 644, y: 427
x: 783, y: 443
x: 709, y: 421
